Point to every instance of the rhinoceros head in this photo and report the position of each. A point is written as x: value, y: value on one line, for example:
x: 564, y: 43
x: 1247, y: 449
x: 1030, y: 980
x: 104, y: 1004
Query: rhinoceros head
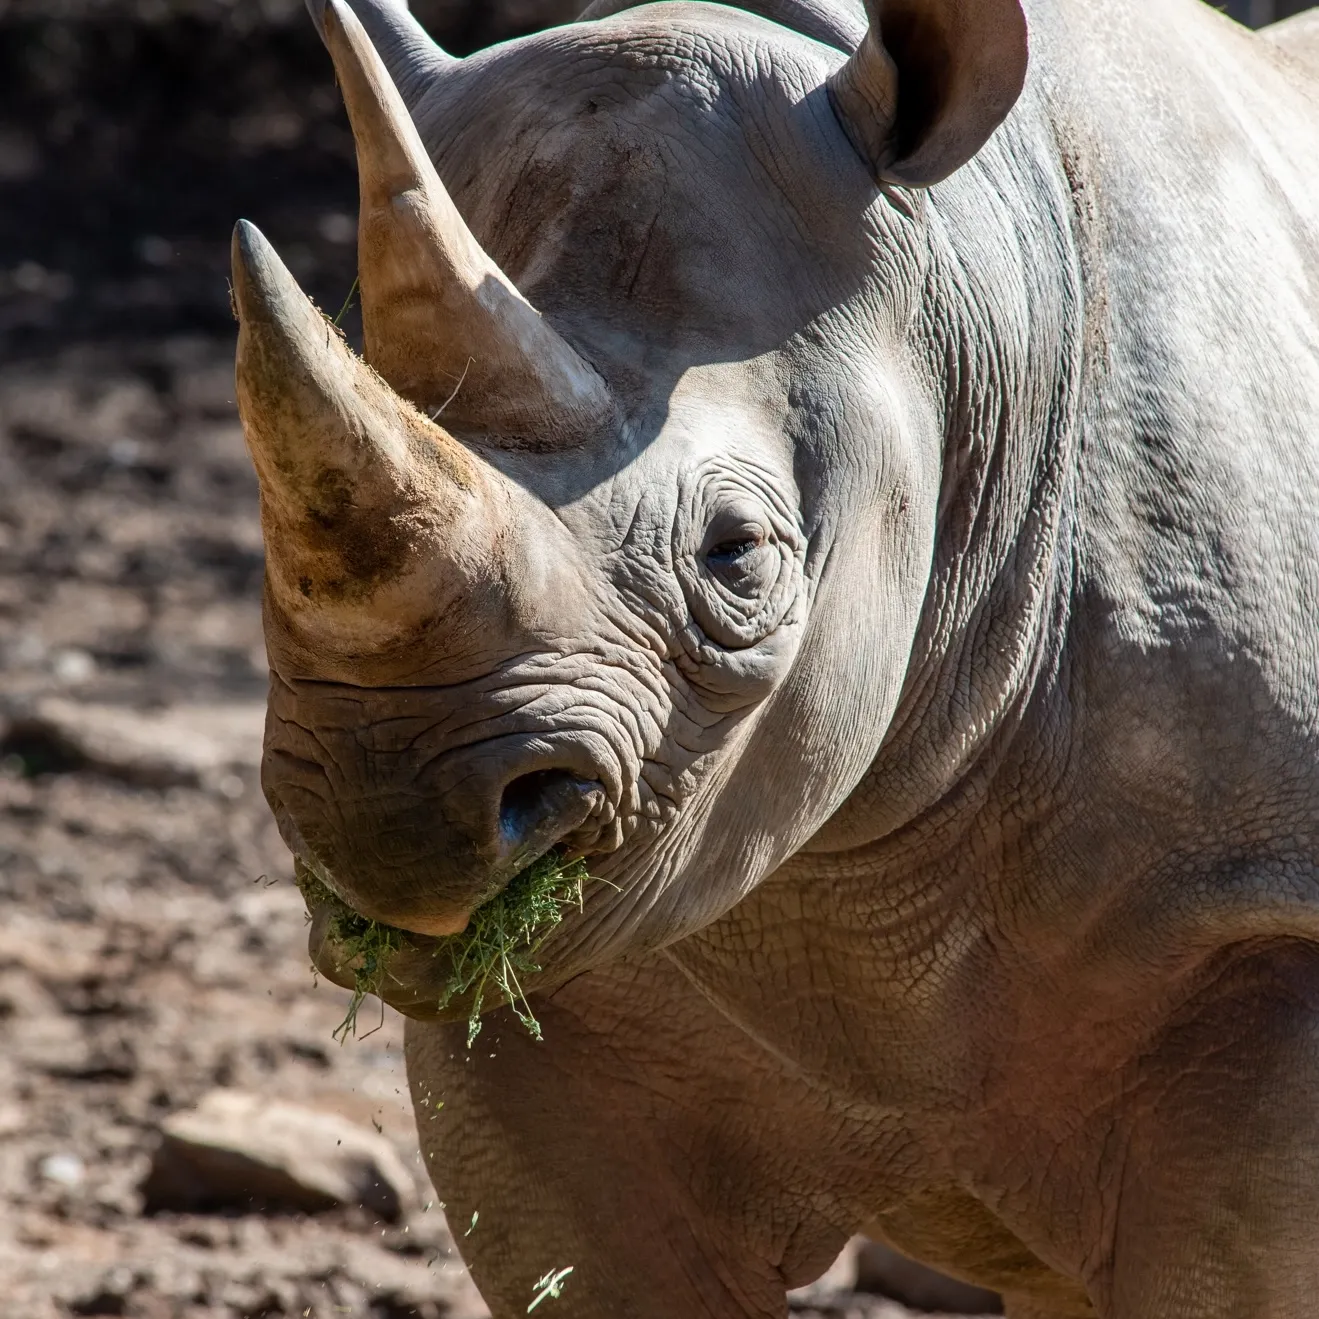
x: 617, y: 539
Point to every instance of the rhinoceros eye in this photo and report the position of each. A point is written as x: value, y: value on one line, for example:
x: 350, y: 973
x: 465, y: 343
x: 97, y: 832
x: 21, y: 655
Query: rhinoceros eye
x: 740, y: 559
x: 738, y: 547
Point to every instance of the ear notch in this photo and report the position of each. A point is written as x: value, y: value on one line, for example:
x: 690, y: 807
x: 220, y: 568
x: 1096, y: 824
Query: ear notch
x: 929, y: 84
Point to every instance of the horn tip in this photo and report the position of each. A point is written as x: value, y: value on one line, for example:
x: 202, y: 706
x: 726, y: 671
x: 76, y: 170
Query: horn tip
x: 331, y: 17
x: 248, y: 242
x: 246, y: 252
x: 259, y: 279
x: 336, y: 19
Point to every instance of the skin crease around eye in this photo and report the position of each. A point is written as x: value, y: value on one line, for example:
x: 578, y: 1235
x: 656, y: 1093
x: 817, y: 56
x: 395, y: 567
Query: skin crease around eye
x: 740, y: 574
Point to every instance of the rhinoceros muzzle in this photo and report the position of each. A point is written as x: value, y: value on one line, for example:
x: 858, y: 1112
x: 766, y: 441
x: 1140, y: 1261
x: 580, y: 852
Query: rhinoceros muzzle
x: 419, y: 843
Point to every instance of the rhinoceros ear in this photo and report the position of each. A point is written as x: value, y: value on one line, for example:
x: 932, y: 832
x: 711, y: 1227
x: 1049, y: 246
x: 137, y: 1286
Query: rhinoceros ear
x: 929, y: 83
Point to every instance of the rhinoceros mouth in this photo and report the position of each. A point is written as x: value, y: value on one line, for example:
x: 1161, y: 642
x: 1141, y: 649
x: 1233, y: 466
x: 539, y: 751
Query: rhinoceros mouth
x: 457, y: 976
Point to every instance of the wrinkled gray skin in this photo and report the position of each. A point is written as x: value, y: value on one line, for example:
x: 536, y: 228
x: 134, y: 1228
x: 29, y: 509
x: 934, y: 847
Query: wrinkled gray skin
x: 966, y: 860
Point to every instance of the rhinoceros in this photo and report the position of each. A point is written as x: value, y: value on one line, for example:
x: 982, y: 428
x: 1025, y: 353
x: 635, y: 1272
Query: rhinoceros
x: 851, y: 476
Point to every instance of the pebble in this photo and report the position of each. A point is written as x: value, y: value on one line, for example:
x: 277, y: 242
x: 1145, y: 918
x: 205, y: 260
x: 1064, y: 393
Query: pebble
x: 63, y: 1169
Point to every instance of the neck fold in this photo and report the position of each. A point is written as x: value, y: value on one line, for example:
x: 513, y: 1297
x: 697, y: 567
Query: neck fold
x: 1004, y: 318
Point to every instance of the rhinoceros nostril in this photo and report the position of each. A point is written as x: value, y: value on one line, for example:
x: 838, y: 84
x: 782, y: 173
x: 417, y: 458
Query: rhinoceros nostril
x: 536, y: 810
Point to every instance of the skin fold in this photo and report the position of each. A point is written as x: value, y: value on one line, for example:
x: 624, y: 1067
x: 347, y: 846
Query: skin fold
x: 913, y: 615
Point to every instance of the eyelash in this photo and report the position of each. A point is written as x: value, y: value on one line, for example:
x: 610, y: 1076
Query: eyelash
x: 729, y: 550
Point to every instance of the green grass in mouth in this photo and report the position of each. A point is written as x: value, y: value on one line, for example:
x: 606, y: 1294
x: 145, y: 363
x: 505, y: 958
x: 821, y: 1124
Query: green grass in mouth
x: 496, y: 950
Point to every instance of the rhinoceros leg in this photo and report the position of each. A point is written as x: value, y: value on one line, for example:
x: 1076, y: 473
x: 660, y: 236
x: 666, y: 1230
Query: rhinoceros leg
x: 643, y: 1144
x: 1218, y: 1212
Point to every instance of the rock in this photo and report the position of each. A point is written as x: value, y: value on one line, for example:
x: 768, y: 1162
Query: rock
x: 187, y: 745
x: 243, y: 1151
x: 63, y: 1169
x: 882, y: 1271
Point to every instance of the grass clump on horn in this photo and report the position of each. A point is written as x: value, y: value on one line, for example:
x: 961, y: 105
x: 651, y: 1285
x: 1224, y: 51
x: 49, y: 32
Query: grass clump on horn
x: 496, y: 950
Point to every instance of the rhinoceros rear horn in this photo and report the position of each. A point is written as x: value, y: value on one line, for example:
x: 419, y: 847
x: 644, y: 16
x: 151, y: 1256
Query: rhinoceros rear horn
x: 929, y: 83
x: 406, y: 49
x: 344, y: 463
x: 441, y: 322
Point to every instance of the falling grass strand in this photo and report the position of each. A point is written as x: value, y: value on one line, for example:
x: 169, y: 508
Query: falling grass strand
x: 549, y: 1286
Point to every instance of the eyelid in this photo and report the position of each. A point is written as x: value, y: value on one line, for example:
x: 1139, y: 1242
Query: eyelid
x: 736, y: 534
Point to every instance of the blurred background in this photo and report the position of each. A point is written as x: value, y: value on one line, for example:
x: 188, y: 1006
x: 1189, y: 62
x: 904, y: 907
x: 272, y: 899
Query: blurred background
x: 179, y: 1134
x: 1259, y: 12
x: 135, y: 131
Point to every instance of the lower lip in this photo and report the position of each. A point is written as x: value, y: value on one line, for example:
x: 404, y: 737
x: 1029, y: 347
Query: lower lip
x: 438, y: 926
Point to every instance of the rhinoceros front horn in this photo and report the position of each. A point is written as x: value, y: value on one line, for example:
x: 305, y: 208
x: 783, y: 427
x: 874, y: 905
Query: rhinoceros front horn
x: 352, y: 476
x: 441, y: 322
